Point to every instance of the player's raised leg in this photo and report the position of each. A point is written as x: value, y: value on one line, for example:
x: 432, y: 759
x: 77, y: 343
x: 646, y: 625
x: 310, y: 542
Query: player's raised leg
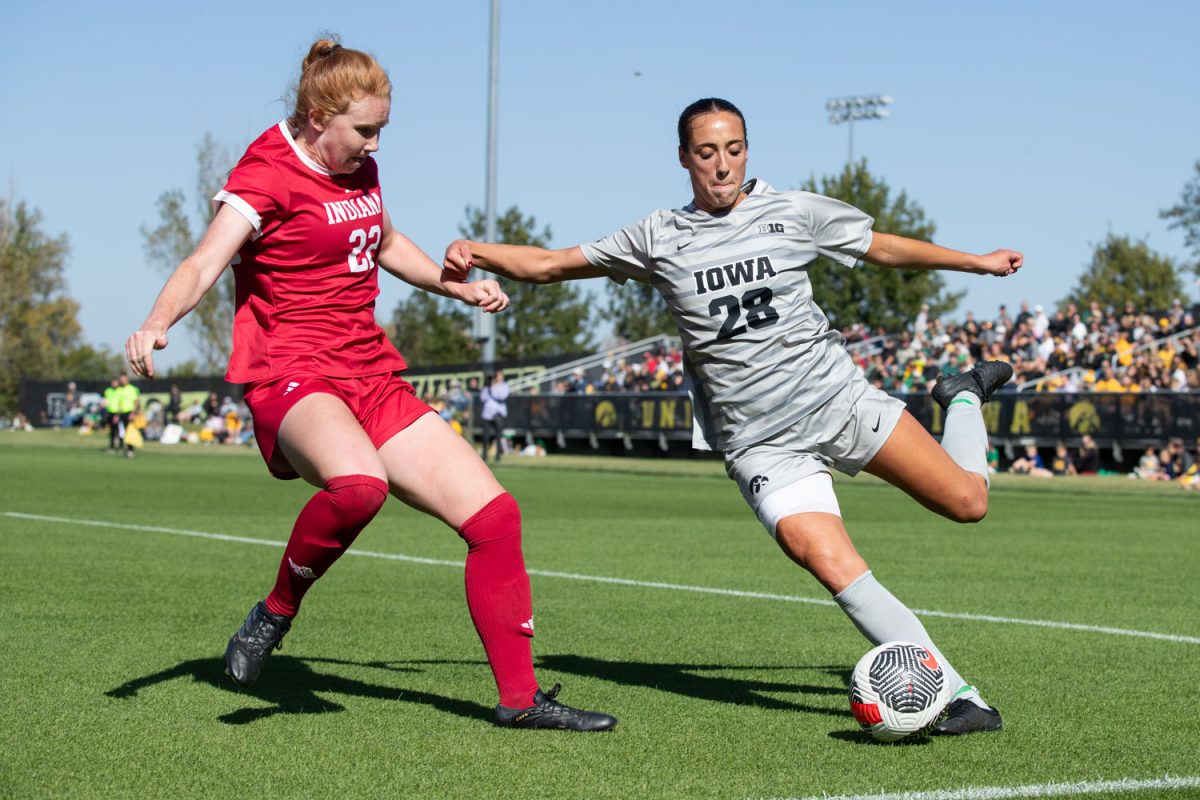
x: 951, y: 479
x: 324, y: 443
x: 433, y: 469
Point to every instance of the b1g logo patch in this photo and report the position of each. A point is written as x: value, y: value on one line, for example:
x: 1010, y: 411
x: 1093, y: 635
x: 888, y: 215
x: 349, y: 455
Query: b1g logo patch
x: 771, y: 227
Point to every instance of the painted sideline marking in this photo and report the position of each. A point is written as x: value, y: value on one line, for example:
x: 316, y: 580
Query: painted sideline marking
x: 677, y: 587
x: 1032, y: 790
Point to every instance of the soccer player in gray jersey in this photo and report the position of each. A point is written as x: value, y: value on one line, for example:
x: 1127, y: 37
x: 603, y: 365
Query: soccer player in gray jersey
x: 776, y: 390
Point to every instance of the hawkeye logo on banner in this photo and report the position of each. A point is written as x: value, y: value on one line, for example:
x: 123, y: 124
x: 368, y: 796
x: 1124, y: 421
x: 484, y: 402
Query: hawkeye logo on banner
x: 606, y: 414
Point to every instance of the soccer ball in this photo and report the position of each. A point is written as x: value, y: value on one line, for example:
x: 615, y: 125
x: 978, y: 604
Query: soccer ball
x: 897, y: 690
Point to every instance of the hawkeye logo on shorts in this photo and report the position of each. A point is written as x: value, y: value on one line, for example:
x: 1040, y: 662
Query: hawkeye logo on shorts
x: 758, y: 482
x: 771, y: 227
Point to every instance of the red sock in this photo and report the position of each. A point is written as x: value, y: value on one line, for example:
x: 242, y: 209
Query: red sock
x: 326, y: 527
x: 499, y: 599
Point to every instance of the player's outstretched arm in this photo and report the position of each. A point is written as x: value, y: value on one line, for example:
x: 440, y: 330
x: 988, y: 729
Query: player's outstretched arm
x: 519, y: 262
x: 401, y: 257
x: 900, y: 252
x: 190, y: 281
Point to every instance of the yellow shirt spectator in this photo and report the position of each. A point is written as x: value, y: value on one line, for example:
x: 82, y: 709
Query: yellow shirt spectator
x: 1124, y: 350
x: 125, y: 399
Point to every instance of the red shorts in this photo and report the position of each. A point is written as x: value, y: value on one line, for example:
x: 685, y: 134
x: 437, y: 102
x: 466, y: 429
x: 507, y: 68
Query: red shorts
x: 383, y: 404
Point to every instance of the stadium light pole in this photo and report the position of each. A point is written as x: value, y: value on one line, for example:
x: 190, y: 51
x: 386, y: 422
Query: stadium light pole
x: 485, y: 324
x: 851, y: 109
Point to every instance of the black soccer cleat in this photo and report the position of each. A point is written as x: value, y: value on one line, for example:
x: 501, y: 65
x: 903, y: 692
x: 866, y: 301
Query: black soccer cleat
x: 984, y: 379
x: 546, y: 712
x: 963, y: 716
x: 251, y: 646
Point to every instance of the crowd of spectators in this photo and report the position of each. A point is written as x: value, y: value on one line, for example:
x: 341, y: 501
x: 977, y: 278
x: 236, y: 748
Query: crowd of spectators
x: 1072, y: 350
x: 205, y: 419
x: 1092, y: 349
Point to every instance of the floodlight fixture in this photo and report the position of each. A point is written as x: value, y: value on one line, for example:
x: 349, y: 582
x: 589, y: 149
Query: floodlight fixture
x: 853, y: 109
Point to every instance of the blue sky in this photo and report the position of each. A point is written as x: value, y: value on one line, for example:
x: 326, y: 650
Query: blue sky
x: 1034, y: 125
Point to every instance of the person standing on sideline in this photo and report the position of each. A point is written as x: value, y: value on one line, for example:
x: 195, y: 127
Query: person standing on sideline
x: 125, y: 400
x: 302, y: 218
x: 494, y: 414
x: 109, y: 402
x: 776, y: 390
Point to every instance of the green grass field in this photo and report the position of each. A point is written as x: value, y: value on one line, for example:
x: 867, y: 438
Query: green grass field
x: 728, y: 681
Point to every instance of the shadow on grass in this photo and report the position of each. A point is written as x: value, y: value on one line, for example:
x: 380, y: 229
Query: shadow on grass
x: 293, y: 687
x: 684, y: 679
x: 862, y: 737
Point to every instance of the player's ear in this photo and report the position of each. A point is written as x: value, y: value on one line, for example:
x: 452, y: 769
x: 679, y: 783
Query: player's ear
x: 317, y: 120
x: 682, y: 157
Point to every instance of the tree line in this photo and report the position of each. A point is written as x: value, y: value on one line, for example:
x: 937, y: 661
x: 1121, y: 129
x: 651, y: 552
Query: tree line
x: 40, y: 335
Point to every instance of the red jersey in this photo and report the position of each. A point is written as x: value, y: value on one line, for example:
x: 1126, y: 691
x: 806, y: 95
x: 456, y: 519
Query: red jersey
x: 306, y: 280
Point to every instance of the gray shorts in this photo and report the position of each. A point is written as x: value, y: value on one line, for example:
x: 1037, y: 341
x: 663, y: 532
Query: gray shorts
x: 843, y: 435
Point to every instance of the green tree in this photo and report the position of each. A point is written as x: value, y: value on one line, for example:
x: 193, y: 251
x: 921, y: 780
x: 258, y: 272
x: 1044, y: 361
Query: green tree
x: 1124, y: 270
x: 433, y: 331
x: 1186, y: 215
x: 87, y: 363
x: 175, y: 237
x: 544, y: 320
x: 876, y: 296
x: 637, y: 311
x: 39, y: 326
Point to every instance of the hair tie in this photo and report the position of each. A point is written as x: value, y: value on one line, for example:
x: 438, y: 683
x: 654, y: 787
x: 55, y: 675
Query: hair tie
x: 326, y: 52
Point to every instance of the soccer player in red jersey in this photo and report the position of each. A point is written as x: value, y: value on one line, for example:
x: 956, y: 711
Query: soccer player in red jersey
x: 302, y: 220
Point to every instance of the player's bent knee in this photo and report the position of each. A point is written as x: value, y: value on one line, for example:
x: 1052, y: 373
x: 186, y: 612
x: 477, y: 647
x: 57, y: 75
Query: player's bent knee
x: 499, y: 519
x: 357, y: 498
x: 969, y: 507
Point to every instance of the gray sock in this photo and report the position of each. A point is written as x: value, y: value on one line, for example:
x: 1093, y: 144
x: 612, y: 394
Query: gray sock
x: 882, y: 618
x: 965, y: 436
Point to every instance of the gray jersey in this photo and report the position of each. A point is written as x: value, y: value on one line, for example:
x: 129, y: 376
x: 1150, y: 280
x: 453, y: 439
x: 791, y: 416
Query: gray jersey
x: 737, y: 286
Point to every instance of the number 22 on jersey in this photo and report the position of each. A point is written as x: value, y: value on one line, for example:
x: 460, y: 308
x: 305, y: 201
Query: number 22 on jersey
x: 366, y: 245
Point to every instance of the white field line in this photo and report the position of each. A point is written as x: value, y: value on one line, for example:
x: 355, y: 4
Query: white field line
x: 1122, y: 786
x: 677, y: 587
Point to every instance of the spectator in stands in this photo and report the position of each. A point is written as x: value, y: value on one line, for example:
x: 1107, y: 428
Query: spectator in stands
x: 1087, y: 457
x: 1079, y: 330
x: 1003, y: 320
x: 212, y: 406
x: 921, y: 323
x: 1107, y: 381
x: 970, y: 325
x: 72, y: 408
x: 577, y: 382
x: 1024, y: 315
x: 1031, y: 464
x: 1041, y: 323
x: 495, y: 413
x: 1175, y: 460
x: 1061, y: 464
x: 174, y: 406
x: 1148, y: 468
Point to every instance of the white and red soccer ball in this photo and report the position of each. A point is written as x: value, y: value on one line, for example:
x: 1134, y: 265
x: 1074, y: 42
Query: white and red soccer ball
x: 898, y: 689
